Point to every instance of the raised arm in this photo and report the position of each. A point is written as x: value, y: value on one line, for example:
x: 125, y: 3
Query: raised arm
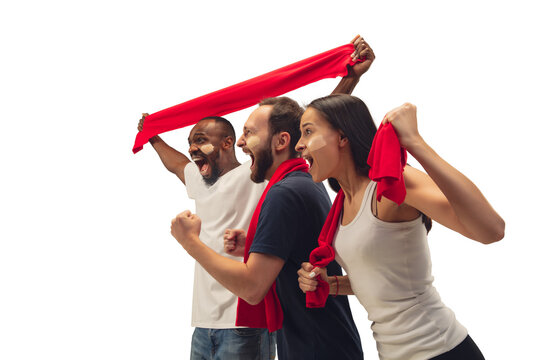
x: 363, y: 51
x: 173, y: 160
x: 446, y: 195
x: 250, y: 281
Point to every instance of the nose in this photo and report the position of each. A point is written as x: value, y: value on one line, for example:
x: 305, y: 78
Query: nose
x: 241, y: 141
x: 193, y: 148
x: 300, y: 147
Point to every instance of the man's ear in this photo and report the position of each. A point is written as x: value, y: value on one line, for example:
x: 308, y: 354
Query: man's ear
x: 281, y: 141
x: 227, y: 143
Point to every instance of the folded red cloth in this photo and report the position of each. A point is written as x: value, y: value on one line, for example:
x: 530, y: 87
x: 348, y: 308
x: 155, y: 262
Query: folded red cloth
x: 267, y: 313
x: 324, y: 254
x: 387, y: 160
x: 328, y: 64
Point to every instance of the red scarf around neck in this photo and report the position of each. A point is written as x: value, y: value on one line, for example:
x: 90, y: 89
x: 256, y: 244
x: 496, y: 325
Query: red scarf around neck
x: 387, y: 160
x: 267, y: 313
x: 328, y: 64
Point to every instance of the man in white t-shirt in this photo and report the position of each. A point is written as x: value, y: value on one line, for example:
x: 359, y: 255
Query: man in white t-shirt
x: 225, y: 197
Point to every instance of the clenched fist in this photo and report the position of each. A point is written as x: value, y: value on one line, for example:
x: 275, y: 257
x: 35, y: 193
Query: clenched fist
x: 234, y: 242
x: 186, y: 227
x: 403, y: 119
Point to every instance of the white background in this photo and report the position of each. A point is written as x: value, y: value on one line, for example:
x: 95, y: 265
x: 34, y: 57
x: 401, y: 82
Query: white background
x: 88, y: 269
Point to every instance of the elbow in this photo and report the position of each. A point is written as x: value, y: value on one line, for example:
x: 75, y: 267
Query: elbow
x: 254, y: 296
x: 497, y: 233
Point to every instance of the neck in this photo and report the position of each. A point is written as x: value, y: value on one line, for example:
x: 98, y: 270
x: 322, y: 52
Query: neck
x: 278, y: 160
x: 352, y: 183
x: 229, y: 163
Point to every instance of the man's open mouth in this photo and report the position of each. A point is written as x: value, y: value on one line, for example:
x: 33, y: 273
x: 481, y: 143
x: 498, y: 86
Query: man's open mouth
x: 202, y: 164
x: 250, y: 154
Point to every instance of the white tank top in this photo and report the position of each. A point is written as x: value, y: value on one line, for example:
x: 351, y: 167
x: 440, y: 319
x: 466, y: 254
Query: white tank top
x: 389, y: 267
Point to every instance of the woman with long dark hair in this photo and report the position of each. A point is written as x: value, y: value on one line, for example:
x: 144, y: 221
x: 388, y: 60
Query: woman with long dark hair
x: 383, y: 246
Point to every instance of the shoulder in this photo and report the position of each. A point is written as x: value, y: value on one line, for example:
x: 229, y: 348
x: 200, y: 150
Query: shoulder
x: 295, y: 185
x: 193, y: 180
x: 191, y: 169
x: 298, y: 190
x: 390, y: 211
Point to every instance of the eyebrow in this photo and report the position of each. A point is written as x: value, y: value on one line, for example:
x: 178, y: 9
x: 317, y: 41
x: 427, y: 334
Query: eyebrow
x: 306, y: 124
x: 197, y: 133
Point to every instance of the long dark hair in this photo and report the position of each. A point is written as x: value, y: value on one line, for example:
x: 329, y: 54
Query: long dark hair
x: 350, y: 116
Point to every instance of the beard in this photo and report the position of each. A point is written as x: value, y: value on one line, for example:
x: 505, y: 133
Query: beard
x: 263, y: 162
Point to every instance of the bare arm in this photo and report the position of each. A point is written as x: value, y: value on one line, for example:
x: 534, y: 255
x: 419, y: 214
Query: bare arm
x: 250, y: 281
x: 446, y: 195
x: 363, y: 51
x: 173, y: 160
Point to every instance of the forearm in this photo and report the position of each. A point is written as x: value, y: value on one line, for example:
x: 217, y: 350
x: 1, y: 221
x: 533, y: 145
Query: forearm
x: 173, y: 160
x: 232, y: 274
x: 346, y: 85
x: 470, y: 206
x: 340, y: 285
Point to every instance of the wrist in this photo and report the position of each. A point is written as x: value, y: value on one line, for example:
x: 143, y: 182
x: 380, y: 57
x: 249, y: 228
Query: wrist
x: 333, y: 283
x: 192, y: 244
x: 414, y: 145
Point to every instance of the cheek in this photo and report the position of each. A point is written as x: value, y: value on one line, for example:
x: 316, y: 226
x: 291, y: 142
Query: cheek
x: 324, y: 155
x: 252, y: 142
x: 207, y: 149
x: 316, y: 143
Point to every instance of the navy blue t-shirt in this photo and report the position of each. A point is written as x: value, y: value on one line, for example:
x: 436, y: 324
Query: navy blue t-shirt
x: 290, y: 221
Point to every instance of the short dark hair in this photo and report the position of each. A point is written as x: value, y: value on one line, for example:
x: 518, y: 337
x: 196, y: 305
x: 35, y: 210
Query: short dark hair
x: 226, y: 126
x: 285, y: 116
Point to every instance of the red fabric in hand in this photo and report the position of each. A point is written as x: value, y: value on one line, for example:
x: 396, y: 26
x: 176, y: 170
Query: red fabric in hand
x: 267, y: 313
x: 324, y: 254
x: 328, y: 64
x: 387, y: 159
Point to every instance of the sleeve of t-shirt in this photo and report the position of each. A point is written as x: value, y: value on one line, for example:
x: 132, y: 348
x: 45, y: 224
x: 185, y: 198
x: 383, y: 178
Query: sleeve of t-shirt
x: 194, y: 180
x: 278, y: 223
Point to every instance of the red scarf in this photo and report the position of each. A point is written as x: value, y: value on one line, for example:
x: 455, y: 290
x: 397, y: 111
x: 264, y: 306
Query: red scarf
x: 329, y: 64
x: 387, y: 160
x: 267, y: 313
x: 324, y: 254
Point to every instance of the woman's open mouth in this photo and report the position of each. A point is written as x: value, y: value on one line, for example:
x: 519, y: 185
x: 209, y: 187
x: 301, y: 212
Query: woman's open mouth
x: 309, y: 159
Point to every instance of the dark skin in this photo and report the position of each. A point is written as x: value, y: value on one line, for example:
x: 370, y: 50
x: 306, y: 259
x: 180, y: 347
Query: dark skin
x: 364, y: 52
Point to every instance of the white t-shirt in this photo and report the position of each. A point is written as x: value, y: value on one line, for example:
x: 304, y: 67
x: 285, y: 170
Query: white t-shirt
x: 228, y: 203
x: 389, y: 267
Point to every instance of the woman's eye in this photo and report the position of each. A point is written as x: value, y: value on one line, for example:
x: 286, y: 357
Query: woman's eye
x: 307, y: 131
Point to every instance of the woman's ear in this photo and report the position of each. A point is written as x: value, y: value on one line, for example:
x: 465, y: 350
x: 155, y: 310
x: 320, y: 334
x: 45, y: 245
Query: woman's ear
x: 343, y: 140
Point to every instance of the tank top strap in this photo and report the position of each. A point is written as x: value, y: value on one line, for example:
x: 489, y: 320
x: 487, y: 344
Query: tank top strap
x: 368, y: 195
